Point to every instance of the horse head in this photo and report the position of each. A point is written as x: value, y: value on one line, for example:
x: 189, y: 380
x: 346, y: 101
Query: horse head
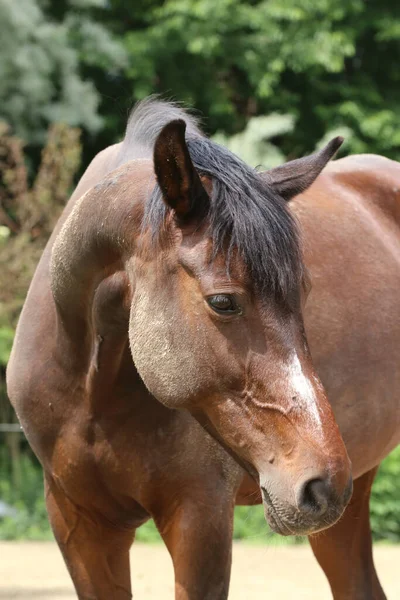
x: 216, y: 326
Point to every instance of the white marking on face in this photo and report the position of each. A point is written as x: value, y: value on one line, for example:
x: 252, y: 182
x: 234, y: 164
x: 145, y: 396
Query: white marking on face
x: 304, y: 391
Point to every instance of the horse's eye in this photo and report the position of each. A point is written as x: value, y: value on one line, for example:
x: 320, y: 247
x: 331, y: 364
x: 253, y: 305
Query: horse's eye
x: 224, y: 304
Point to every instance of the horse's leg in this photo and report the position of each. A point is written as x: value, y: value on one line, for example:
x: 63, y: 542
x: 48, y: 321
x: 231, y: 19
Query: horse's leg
x: 96, y: 553
x: 344, y: 551
x: 198, y: 535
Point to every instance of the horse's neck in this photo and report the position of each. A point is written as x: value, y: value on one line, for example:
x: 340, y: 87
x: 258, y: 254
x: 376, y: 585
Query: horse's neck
x: 104, y: 163
x: 96, y: 239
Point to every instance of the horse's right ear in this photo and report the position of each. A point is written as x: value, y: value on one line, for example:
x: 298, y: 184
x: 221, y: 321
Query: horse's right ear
x: 179, y: 181
x: 295, y: 176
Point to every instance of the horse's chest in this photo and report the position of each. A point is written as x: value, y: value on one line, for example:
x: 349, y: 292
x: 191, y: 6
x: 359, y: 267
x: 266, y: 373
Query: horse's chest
x: 119, y: 456
x: 97, y: 468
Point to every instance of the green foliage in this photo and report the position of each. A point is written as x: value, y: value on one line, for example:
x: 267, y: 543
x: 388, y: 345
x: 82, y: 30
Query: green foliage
x: 6, y: 340
x: 148, y: 533
x: 31, y: 521
x: 321, y: 62
x: 385, y: 500
x: 253, y: 145
x: 40, y: 67
x: 28, y: 213
x: 329, y: 64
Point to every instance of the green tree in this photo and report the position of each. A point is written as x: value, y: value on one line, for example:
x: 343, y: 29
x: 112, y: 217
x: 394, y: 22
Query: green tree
x: 42, y: 61
x: 329, y: 63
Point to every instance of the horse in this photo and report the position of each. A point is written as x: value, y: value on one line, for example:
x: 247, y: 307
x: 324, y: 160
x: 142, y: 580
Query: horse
x: 174, y: 349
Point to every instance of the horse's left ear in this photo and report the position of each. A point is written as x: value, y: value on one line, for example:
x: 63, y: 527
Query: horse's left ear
x: 179, y: 181
x: 296, y: 176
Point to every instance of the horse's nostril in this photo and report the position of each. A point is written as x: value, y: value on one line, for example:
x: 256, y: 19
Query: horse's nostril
x: 313, y: 497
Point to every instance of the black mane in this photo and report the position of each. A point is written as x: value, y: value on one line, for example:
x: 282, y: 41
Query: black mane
x: 244, y: 212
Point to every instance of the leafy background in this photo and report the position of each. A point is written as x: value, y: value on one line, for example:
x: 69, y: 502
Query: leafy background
x: 273, y: 79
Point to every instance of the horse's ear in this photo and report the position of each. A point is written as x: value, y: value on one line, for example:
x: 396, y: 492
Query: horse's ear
x: 179, y: 181
x: 296, y: 176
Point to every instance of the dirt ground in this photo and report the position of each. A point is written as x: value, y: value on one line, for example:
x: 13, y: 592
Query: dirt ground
x: 36, y: 571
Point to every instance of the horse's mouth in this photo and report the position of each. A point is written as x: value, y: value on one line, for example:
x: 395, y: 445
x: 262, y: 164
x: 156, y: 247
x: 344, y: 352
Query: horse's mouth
x: 299, y: 527
x: 272, y: 517
x: 276, y: 524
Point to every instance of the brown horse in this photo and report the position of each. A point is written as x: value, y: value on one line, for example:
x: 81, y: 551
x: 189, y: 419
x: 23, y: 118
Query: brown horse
x: 189, y: 263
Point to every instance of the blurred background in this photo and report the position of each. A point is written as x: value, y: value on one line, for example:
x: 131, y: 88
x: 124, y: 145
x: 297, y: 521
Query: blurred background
x: 272, y: 79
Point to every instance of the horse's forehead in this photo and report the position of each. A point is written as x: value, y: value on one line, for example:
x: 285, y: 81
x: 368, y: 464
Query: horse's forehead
x: 195, y: 250
x: 201, y: 257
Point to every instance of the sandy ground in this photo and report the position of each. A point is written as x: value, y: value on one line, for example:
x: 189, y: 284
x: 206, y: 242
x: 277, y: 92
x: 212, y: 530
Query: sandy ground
x: 36, y: 571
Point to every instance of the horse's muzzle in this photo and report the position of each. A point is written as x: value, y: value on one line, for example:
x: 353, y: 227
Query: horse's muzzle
x: 317, y: 506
